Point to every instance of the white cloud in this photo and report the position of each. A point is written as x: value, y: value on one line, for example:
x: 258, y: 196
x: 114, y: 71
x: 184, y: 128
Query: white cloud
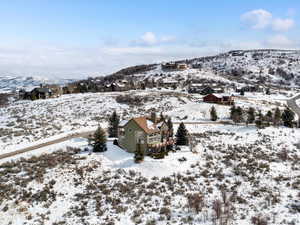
x: 149, y: 38
x: 262, y: 19
x: 257, y: 19
x: 280, y: 41
x: 282, y: 24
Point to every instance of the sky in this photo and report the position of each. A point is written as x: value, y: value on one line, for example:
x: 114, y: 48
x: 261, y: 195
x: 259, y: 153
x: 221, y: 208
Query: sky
x: 83, y: 38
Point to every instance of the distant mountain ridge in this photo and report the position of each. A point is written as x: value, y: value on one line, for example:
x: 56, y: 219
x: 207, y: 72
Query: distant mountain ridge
x: 15, y: 83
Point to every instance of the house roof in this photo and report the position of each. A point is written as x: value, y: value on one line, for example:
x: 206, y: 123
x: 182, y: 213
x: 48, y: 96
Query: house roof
x: 147, y: 125
x: 216, y: 95
x: 42, y: 90
x: 123, y: 123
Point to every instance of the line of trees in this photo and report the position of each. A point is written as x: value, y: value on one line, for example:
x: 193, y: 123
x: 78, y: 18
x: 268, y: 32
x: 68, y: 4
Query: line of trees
x: 251, y: 116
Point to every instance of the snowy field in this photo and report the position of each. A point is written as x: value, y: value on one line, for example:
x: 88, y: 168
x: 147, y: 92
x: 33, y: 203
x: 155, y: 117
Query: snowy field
x: 256, y: 170
x: 24, y: 123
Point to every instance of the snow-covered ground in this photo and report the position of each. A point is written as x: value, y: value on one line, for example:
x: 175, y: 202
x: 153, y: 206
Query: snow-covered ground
x: 24, y: 123
x: 247, y: 164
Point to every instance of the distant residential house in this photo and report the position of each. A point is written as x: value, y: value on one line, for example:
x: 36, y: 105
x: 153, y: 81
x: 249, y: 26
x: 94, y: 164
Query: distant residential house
x: 195, y: 88
x: 207, y: 90
x: 55, y: 89
x: 254, y: 88
x: 174, y: 66
x: 216, y: 98
x: 169, y: 66
x: 71, y: 88
x: 41, y: 93
x: 151, y: 136
x: 169, y: 83
x: 182, y: 66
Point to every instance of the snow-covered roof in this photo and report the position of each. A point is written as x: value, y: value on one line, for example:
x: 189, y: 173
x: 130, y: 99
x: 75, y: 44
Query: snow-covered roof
x: 123, y: 123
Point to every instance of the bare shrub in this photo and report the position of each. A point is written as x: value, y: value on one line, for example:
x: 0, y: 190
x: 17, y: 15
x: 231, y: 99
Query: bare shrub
x: 259, y: 220
x: 196, y: 202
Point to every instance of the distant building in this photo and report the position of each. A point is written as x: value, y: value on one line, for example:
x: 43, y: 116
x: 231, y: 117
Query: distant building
x: 219, y: 99
x: 41, y: 93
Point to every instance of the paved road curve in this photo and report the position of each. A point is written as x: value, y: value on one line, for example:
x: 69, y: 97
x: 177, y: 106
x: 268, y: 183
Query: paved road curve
x: 35, y: 147
x: 293, y: 106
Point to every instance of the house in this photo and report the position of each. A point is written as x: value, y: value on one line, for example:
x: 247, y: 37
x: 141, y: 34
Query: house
x: 41, y: 93
x: 182, y: 66
x: 56, y: 90
x: 169, y: 66
x: 151, y: 136
x: 169, y: 83
x: 206, y: 90
x: 174, y: 66
x: 195, y: 88
x: 71, y: 88
x: 216, y: 98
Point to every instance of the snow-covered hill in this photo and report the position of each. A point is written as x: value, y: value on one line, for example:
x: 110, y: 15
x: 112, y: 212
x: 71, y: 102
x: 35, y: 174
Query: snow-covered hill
x: 13, y: 83
x: 241, y: 67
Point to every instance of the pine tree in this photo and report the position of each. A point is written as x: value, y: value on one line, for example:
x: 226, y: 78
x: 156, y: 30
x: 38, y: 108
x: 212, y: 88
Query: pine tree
x: 242, y: 92
x: 113, y: 128
x: 277, y: 117
x: 170, y: 127
x: 288, y: 117
x: 182, y: 135
x: 153, y: 117
x: 259, y: 120
x: 139, y: 154
x: 237, y: 115
x: 161, y: 117
x: 250, y: 115
x: 269, y: 116
x: 232, y: 111
x: 98, y: 141
x: 213, y: 114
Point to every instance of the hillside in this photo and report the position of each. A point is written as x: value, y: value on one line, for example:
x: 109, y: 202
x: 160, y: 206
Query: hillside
x: 264, y: 67
x: 15, y: 83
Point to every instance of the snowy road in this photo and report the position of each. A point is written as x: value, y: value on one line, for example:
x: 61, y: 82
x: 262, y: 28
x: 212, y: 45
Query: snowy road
x: 45, y: 144
x: 86, y: 134
x: 293, y: 105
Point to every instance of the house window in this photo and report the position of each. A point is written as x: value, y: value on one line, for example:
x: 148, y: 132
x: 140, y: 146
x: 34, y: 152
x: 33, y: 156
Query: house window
x: 121, y: 132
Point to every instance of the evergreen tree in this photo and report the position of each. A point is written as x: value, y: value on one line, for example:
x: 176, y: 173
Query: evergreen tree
x: 242, y: 92
x: 161, y: 117
x: 259, y: 120
x: 153, y: 117
x: 139, y: 154
x: 182, y: 135
x: 113, y: 128
x: 288, y: 117
x: 268, y: 91
x: 232, y: 111
x: 269, y: 116
x: 213, y: 114
x: 250, y: 115
x: 237, y: 116
x: 277, y: 117
x: 170, y: 127
x: 98, y: 140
